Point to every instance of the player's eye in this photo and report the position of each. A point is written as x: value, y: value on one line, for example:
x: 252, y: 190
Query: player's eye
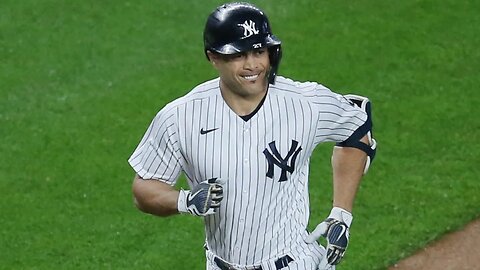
x: 260, y: 51
x: 236, y: 56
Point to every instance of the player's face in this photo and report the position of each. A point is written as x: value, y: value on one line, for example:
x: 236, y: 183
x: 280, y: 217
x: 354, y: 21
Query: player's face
x: 244, y: 74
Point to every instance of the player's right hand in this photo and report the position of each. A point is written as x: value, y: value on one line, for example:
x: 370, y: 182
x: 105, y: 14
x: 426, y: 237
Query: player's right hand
x: 202, y: 200
x: 335, y: 228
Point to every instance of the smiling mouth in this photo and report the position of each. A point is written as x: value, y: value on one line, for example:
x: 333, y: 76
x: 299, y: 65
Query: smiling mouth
x: 250, y: 77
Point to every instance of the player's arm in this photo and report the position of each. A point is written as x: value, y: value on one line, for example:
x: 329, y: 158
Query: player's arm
x: 161, y: 199
x: 155, y: 197
x: 348, y: 168
x: 348, y: 164
x: 350, y: 161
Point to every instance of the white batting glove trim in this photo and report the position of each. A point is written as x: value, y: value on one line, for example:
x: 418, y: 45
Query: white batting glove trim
x: 182, y: 201
x: 341, y: 215
x: 320, y: 230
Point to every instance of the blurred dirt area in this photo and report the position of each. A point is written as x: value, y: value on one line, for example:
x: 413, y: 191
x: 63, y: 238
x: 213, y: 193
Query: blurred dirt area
x: 455, y: 251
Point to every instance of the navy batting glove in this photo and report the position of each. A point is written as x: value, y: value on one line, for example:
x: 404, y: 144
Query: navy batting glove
x: 336, y: 230
x: 202, y: 200
x: 337, y: 240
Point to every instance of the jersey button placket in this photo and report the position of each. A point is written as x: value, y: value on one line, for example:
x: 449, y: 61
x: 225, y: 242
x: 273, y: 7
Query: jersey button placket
x: 246, y: 139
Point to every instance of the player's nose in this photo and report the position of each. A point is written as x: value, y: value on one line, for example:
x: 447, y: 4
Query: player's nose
x: 251, y: 62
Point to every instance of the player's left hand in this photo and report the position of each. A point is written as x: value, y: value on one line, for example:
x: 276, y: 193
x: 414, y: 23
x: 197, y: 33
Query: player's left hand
x: 336, y: 230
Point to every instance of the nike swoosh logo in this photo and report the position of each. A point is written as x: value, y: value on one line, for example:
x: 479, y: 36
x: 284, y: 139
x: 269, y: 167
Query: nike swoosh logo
x: 205, y: 131
x: 191, y: 197
x: 341, y: 233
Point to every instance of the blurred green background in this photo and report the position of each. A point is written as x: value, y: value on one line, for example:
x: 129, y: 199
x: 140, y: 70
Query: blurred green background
x: 81, y: 80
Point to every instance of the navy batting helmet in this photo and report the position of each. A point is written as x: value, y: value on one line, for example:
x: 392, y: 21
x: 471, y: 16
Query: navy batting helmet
x: 240, y: 27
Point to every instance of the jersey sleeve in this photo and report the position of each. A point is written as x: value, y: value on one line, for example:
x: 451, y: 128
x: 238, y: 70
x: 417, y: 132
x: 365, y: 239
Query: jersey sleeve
x: 157, y: 156
x: 338, y: 118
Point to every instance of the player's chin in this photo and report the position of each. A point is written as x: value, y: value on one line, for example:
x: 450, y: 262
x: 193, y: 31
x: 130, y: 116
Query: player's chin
x: 255, y: 88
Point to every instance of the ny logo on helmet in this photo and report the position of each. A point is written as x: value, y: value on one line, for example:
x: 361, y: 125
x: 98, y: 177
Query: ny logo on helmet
x: 249, y: 28
x: 274, y: 158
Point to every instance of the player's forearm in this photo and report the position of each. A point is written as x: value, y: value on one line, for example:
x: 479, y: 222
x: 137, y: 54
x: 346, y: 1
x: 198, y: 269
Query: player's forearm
x: 348, y: 165
x: 155, y: 197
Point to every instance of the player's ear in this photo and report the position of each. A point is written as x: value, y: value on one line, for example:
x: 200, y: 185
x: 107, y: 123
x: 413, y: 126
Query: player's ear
x: 212, y: 57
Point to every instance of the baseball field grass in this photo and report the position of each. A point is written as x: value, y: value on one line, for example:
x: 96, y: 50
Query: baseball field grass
x: 81, y: 80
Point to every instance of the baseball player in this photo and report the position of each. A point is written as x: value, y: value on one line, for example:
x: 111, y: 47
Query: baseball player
x: 244, y: 141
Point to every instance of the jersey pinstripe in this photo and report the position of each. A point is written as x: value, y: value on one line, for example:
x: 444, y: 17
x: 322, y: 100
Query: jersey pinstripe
x: 264, y: 162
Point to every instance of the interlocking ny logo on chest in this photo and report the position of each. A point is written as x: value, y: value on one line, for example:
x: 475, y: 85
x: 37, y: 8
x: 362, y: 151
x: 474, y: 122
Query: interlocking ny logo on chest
x: 286, y: 164
x: 249, y: 28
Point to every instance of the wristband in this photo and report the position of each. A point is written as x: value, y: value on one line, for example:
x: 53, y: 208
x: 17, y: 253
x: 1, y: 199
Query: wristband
x: 182, y: 201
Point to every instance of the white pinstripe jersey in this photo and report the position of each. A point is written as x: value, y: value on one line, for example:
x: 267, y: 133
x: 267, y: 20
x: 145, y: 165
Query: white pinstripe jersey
x: 264, y: 161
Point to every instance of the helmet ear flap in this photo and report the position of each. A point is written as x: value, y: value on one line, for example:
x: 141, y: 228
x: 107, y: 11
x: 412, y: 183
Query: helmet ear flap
x: 275, y: 55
